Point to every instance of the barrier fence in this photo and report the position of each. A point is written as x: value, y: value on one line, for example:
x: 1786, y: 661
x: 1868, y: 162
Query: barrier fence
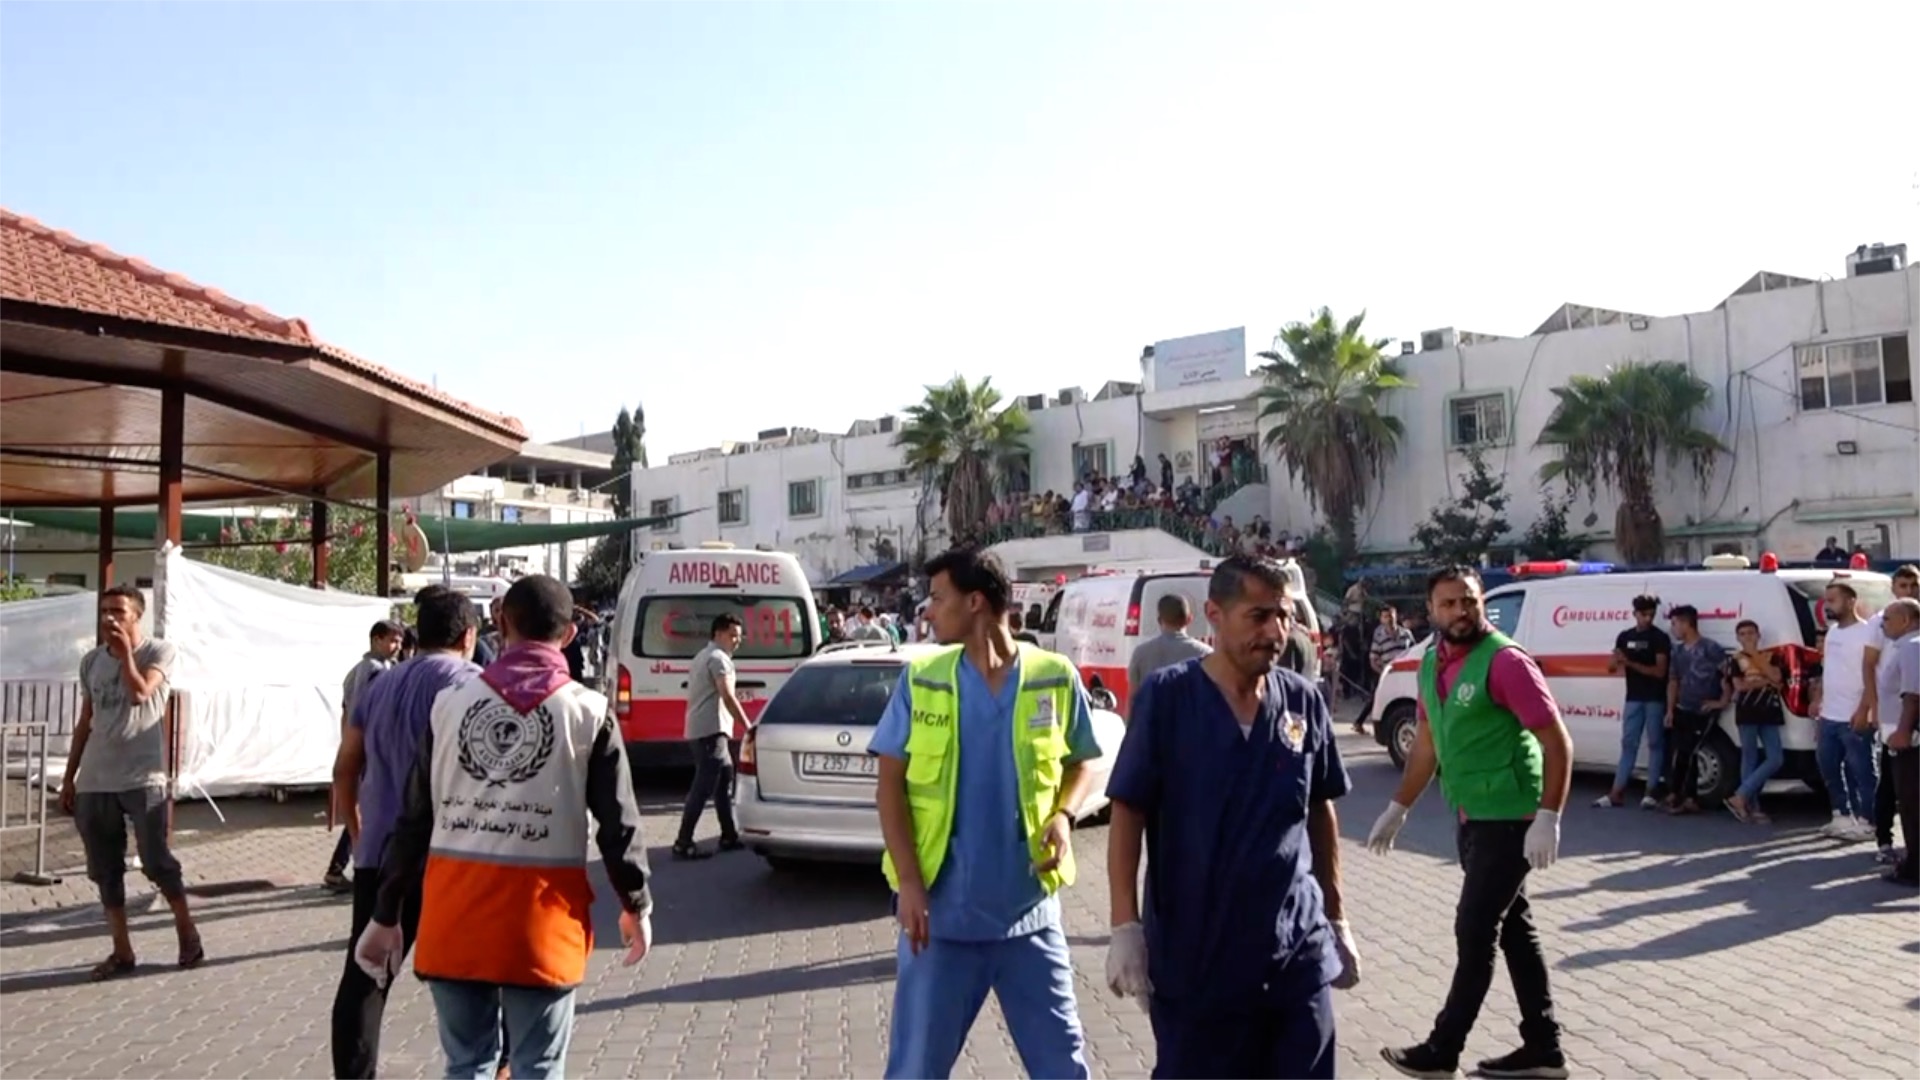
x: 32, y: 741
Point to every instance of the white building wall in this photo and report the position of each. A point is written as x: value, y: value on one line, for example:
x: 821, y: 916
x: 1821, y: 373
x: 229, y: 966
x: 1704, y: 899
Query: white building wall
x: 1785, y: 477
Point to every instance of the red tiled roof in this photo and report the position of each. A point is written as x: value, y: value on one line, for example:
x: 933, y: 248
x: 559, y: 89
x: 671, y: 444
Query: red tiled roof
x: 41, y: 265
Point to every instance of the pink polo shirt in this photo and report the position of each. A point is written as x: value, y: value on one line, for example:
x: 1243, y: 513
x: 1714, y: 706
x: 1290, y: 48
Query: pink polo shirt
x: 1513, y: 679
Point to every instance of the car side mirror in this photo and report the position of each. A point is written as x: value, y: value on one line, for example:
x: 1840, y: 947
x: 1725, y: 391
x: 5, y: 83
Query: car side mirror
x: 1103, y: 699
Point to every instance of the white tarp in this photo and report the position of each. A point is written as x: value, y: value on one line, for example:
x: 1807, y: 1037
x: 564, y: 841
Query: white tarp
x: 258, y: 668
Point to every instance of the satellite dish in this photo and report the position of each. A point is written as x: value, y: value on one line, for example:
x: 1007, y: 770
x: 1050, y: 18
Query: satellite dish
x: 413, y: 542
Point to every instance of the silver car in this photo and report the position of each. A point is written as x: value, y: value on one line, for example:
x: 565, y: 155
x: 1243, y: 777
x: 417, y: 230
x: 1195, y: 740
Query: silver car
x: 805, y: 786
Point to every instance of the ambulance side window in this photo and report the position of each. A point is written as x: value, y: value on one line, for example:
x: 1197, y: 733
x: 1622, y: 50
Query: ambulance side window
x: 1503, y: 611
x: 1053, y: 613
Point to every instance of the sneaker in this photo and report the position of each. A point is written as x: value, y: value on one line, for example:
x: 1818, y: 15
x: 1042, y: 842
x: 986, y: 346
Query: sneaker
x: 689, y: 851
x: 1648, y: 802
x: 731, y: 843
x: 1855, y: 831
x: 1837, y: 828
x: 1886, y: 856
x: 1422, y: 1061
x: 1606, y: 802
x: 336, y: 882
x: 1527, y: 1062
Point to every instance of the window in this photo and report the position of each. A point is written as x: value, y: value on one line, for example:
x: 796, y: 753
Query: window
x: 677, y: 627
x: 660, y: 508
x: 733, y: 507
x: 871, y: 480
x: 510, y: 513
x: 1503, y: 611
x: 462, y: 509
x: 834, y: 695
x: 1477, y: 420
x: 1095, y: 458
x: 1842, y: 374
x: 803, y: 499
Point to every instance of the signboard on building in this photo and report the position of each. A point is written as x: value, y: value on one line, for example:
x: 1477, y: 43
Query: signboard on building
x: 1195, y: 361
x: 1235, y: 422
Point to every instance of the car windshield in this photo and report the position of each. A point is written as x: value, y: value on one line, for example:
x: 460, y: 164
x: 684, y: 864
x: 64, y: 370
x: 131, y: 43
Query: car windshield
x: 677, y: 627
x: 840, y: 695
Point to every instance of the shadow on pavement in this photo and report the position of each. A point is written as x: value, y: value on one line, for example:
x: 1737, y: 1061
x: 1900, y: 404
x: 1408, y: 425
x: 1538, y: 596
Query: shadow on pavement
x: 801, y: 979
x: 47, y: 980
x: 86, y: 920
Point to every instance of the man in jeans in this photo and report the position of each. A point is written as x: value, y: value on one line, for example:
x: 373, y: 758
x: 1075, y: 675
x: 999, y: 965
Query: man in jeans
x: 1643, y: 652
x: 1697, y: 690
x: 713, y: 709
x: 1845, y: 749
x: 1489, y: 727
x: 117, y: 771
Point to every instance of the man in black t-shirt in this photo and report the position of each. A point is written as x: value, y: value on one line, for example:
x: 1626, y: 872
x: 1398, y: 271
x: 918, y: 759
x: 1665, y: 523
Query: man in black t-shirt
x: 1643, y: 654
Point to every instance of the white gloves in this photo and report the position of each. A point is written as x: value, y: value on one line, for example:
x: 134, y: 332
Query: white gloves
x: 1349, y: 976
x: 378, y: 952
x: 1127, y: 962
x: 636, y: 933
x: 1380, y: 839
x: 1543, y: 839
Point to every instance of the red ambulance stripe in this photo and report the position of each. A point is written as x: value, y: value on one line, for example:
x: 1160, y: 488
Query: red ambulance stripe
x: 1114, y: 679
x: 1552, y: 665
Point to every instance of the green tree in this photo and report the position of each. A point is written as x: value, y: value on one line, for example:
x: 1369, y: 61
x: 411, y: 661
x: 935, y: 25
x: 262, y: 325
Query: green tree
x: 1615, y: 430
x: 613, y: 555
x: 598, y: 577
x: 956, y: 438
x: 1464, y: 528
x: 278, y: 546
x: 1325, y: 381
x: 1549, y: 537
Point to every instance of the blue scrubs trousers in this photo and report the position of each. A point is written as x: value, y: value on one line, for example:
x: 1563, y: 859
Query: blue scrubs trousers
x: 1197, y: 1043
x: 940, y: 992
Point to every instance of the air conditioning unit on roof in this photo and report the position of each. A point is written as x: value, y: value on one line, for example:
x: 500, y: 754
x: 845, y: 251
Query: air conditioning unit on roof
x: 1435, y: 340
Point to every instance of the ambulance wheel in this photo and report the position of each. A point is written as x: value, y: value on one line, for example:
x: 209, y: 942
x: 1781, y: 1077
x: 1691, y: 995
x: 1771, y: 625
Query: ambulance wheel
x: 1717, y: 765
x: 1399, y: 729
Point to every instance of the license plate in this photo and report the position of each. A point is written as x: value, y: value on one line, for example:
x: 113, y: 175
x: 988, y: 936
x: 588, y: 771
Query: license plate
x: 834, y: 766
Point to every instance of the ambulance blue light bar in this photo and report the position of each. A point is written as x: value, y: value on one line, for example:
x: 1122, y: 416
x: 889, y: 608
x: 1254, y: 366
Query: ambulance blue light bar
x: 1557, y: 567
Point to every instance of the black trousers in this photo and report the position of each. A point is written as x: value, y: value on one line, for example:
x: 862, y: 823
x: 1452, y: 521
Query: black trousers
x: 1885, y: 799
x: 1906, y: 781
x: 1495, y: 916
x: 1683, y: 742
x: 712, y: 780
x: 360, y: 1003
x: 342, y: 854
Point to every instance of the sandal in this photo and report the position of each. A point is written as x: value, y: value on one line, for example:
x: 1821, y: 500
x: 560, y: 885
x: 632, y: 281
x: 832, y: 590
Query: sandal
x: 113, y: 967
x: 192, y: 953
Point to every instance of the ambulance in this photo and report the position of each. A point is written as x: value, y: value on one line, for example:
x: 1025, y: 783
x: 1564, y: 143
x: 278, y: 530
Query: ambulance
x: 1098, y: 620
x: 1567, y: 615
x: 1031, y: 596
x: 665, y: 615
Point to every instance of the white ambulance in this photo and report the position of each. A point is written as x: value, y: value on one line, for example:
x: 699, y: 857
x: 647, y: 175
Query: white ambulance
x: 665, y: 615
x: 1098, y: 620
x: 1567, y: 615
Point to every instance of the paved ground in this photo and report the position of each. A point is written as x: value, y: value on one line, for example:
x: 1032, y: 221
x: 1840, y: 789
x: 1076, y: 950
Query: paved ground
x: 1696, y: 947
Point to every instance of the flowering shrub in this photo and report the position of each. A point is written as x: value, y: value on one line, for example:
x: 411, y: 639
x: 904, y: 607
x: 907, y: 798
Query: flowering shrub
x: 279, y: 547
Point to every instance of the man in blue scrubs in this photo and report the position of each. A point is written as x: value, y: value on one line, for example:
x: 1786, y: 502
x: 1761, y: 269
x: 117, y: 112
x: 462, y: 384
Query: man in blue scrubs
x: 977, y: 907
x: 1229, y: 772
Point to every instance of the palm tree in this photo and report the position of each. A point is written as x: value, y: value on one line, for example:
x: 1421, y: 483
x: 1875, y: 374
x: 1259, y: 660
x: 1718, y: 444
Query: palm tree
x: 1325, y: 382
x: 956, y: 438
x: 1613, y: 431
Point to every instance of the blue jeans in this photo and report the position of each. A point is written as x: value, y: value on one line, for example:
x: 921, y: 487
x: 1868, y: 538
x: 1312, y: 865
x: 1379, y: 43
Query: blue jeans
x: 1636, y: 718
x: 539, y: 1025
x: 1754, y: 771
x: 1846, y: 766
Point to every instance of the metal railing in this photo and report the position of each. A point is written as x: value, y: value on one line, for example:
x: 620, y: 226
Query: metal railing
x: 32, y: 738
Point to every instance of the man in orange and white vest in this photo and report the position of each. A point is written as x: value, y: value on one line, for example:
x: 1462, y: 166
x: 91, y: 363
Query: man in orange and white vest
x: 495, y: 818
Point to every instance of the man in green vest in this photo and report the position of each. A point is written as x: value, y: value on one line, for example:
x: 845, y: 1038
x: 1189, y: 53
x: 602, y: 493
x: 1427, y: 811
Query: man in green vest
x: 1489, y: 726
x: 981, y: 751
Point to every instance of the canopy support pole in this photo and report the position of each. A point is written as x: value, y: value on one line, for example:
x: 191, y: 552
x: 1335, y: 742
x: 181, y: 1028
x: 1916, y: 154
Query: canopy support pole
x: 383, y: 522
x: 321, y: 549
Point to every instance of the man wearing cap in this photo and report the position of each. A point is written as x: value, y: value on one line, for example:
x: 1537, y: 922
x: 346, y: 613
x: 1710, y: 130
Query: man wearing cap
x: 383, y: 644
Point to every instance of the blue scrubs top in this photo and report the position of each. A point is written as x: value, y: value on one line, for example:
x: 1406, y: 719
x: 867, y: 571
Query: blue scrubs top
x: 986, y: 889
x: 1233, y: 915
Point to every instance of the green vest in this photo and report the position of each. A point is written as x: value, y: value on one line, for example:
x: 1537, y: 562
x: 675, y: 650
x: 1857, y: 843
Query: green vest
x: 1042, y: 709
x: 1490, y: 766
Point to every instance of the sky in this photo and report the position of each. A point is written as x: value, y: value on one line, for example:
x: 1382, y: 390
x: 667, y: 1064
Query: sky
x: 745, y: 216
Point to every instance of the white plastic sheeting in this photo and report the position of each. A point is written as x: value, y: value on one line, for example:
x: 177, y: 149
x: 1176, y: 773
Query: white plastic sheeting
x: 258, y: 668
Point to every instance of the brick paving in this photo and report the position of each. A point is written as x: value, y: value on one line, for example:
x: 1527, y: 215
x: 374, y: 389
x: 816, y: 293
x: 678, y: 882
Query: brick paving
x: 1680, y: 948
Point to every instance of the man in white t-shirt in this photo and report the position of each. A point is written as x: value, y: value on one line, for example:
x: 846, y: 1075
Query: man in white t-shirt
x: 1082, y: 513
x: 1845, y: 747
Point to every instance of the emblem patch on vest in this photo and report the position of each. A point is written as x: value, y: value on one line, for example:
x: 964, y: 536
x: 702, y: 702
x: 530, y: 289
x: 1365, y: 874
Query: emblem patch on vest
x: 1042, y: 714
x: 1463, y: 693
x: 499, y: 746
x: 1294, y: 731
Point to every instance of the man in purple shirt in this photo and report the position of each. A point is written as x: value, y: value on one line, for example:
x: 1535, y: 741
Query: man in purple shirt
x: 377, y: 753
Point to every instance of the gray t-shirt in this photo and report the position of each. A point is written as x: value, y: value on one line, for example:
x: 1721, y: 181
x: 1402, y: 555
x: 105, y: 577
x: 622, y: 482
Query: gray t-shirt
x: 357, y: 680
x: 705, y: 714
x: 126, y: 750
x: 1163, y: 651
